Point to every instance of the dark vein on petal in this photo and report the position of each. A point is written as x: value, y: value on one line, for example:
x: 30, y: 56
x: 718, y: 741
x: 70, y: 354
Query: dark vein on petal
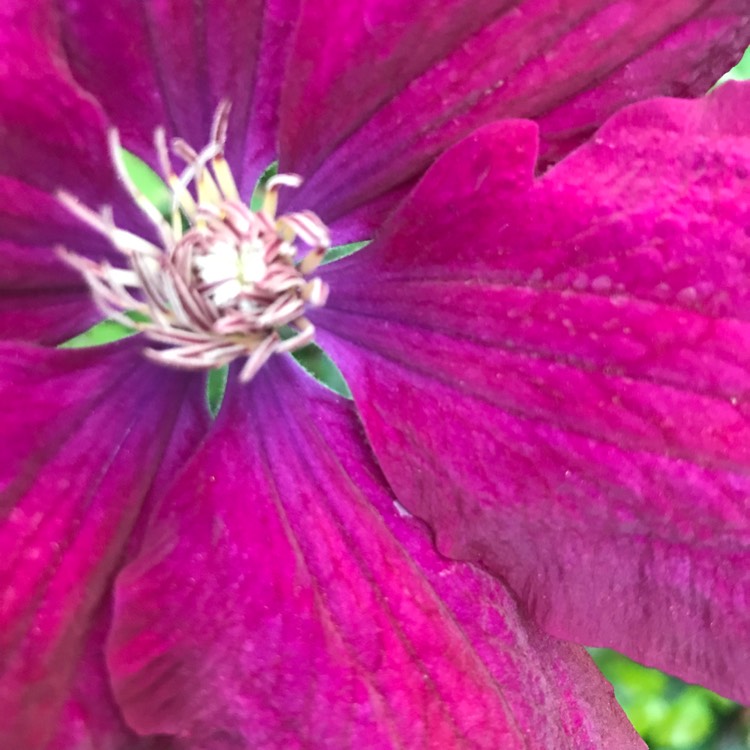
x: 518, y: 413
x: 67, y: 636
x: 252, y: 88
x: 200, y: 32
x: 25, y: 477
x: 366, y: 115
x: 381, y: 706
x: 151, y: 37
x: 537, y: 354
x: 469, y: 103
x: 376, y: 521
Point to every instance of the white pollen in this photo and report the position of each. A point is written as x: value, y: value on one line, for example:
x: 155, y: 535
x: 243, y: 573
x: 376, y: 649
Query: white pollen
x: 252, y: 267
x: 227, y: 292
x: 218, y: 265
x: 401, y: 510
x: 229, y: 269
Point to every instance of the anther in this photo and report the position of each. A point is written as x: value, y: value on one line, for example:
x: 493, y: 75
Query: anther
x: 224, y: 282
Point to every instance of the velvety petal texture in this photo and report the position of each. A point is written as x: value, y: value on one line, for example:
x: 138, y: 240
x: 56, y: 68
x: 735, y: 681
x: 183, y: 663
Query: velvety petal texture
x: 84, y: 436
x: 358, y: 97
x: 178, y: 61
x: 555, y: 374
x: 378, y: 88
x: 90, y: 718
x: 53, y: 137
x: 53, y: 132
x: 42, y: 298
x: 282, y: 599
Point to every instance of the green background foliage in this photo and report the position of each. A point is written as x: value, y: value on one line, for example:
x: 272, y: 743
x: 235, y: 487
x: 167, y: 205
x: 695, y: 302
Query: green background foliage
x: 670, y: 714
x: 741, y: 71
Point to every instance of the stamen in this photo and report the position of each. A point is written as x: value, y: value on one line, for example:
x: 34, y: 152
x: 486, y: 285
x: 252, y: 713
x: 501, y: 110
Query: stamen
x: 148, y: 208
x: 181, y: 198
x: 271, y: 197
x: 221, y: 170
x: 224, y: 282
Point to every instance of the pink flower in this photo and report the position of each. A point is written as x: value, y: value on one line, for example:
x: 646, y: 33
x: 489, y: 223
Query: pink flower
x: 548, y: 371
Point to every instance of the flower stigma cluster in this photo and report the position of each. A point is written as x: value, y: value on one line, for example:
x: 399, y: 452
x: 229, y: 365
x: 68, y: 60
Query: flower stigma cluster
x: 226, y: 282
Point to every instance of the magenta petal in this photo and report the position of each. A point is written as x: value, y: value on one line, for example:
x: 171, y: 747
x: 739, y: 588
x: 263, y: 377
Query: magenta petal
x: 556, y: 375
x: 273, y: 606
x: 378, y: 88
x: 42, y: 298
x: 84, y: 436
x: 177, y: 61
x: 90, y: 718
x: 53, y: 137
x: 46, y: 315
x: 53, y: 132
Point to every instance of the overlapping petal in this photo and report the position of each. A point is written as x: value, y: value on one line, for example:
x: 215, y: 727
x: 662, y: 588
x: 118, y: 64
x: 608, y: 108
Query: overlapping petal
x: 555, y: 374
x: 53, y: 132
x: 363, y: 95
x: 377, y: 88
x: 273, y: 605
x: 90, y: 718
x: 84, y: 437
x: 41, y: 297
x: 54, y: 137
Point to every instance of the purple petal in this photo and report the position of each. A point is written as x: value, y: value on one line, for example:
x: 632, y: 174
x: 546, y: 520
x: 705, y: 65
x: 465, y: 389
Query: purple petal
x: 378, y: 88
x: 555, y: 375
x: 53, y: 132
x: 53, y: 137
x: 42, y: 298
x: 90, y: 718
x: 273, y: 606
x: 44, y: 315
x: 84, y: 436
x: 177, y: 61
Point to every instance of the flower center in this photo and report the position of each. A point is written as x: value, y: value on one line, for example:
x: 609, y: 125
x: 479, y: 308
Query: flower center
x: 225, y: 282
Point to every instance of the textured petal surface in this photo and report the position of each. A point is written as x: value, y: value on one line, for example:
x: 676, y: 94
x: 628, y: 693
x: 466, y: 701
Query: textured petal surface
x: 53, y: 137
x: 84, y: 436
x: 377, y: 88
x: 53, y: 134
x: 90, y: 719
x: 175, y: 61
x: 555, y: 374
x: 41, y: 297
x: 46, y: 314
x: 282, y: 600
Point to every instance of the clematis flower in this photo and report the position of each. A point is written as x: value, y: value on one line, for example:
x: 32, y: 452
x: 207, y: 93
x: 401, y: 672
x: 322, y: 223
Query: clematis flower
x: 547, y: 369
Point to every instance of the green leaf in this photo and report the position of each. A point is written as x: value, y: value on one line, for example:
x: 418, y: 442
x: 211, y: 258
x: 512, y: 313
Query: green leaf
x: 102, y: 333
x: 148, y: 182
x: 318, y: 364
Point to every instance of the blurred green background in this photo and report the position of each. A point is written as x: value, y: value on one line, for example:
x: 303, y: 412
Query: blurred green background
x: 741, y: 71
x: 671, y: 715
